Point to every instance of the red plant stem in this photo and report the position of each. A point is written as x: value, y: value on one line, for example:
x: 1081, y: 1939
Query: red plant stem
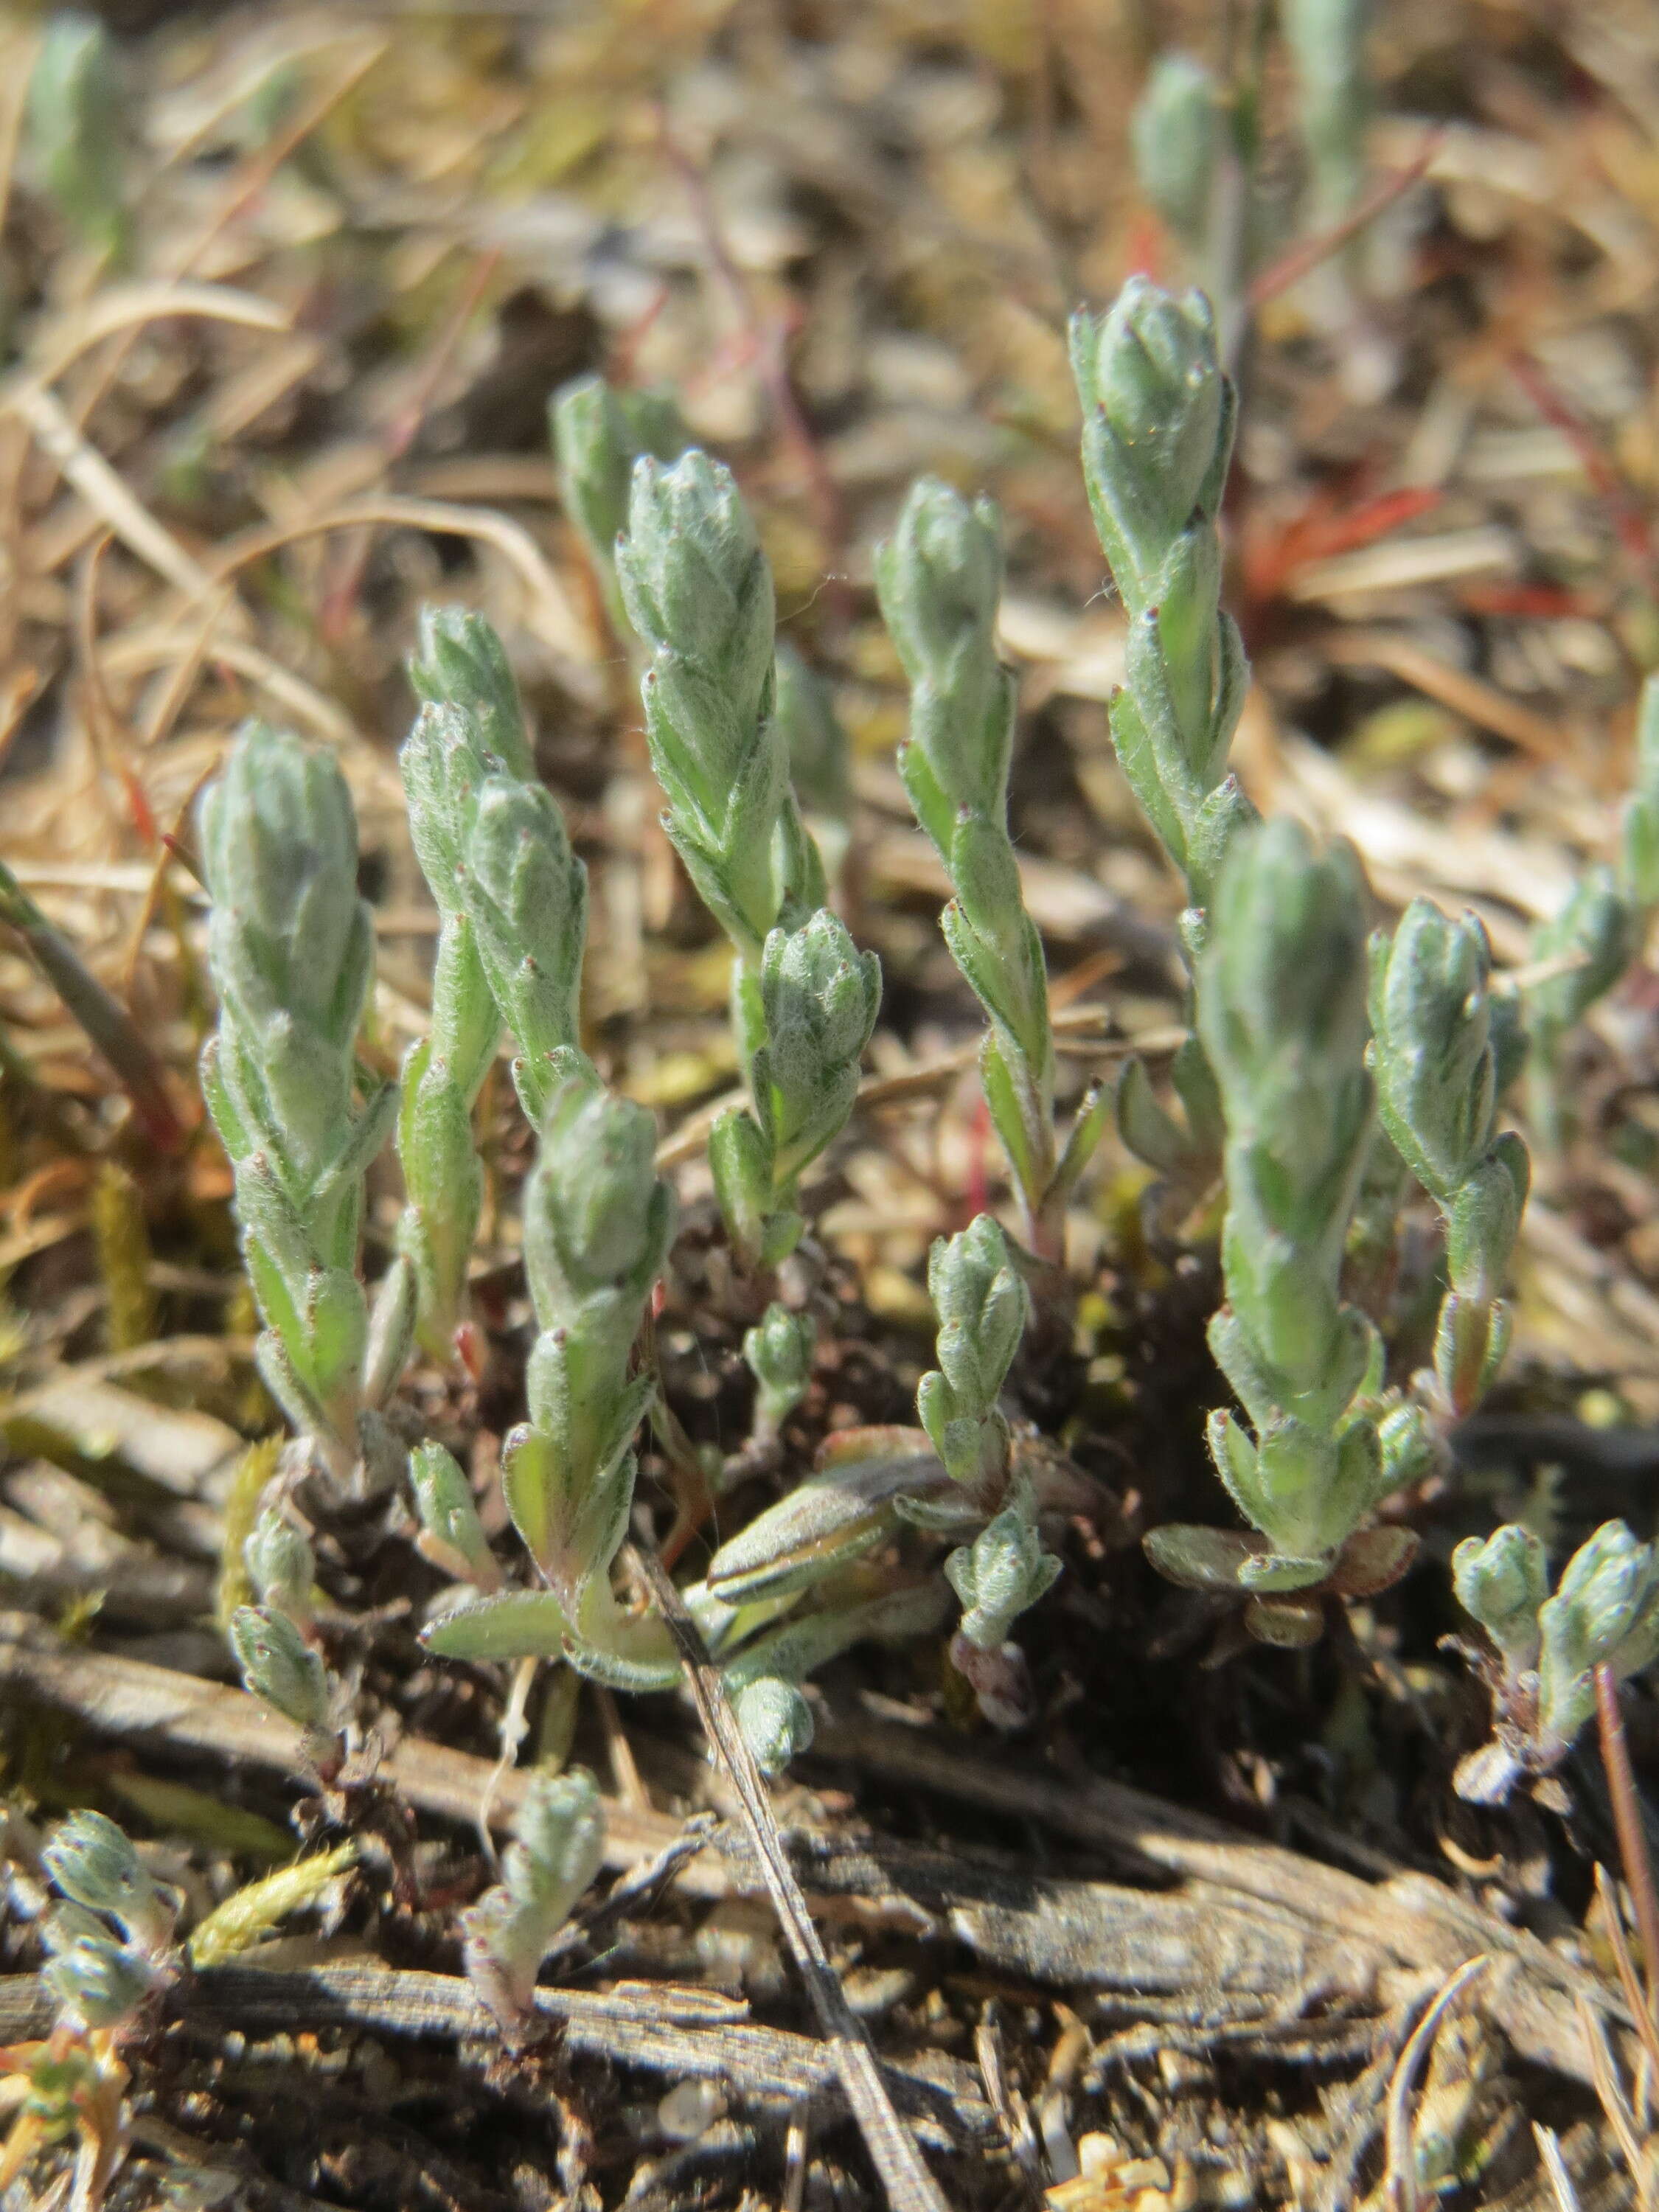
x: 1289, y: 268
x: 401, y: 432
x: 1627, y: 1820
x: 1323, y: 530
x: 1629, y: 524
x: 769, y: 336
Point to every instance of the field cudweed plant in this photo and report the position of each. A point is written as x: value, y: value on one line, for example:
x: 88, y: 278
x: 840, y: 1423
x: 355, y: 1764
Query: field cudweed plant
x: 798, y: 1028
x: 1317, y: 1081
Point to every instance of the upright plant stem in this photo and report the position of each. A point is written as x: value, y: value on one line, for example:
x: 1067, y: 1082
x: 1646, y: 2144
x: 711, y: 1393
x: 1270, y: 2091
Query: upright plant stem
x: 1627, y: 1820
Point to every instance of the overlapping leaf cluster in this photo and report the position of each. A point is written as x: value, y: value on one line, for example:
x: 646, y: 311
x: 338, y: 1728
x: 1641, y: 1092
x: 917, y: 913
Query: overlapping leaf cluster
x: 939, y: 577
x: 513, y: 900
x: 290, y: 944
x: 698, y: 591
x: 1543, y: 1649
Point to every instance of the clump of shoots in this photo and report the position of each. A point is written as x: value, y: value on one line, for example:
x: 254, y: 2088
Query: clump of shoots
x: 291, y: 949
x: 598, y: 1222
x: 939, y: 578
x: 1437, y: 1067
x: 818, y: 1000
x: 557, y: 1848
x: 1542, y: 1651
x: 513, y: 900
x: 1281, y: 1011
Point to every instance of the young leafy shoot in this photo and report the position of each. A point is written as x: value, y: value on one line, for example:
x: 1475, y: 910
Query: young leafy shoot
x: 698, y: 593
x: 598, y: 1222
x: 940, y: 579
x: 1542, y: 1652
x: 819, y: 997
x: 512, y: 901
x: 1281, y: 1011
x: 1436, y: 1065
x: 291, y: 949
x: 598, y: 431
x: 1158, y: 418
x: 557, y: 1848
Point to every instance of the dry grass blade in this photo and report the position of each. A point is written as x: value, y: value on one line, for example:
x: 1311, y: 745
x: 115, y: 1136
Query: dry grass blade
x: 107, y: 1022
x: 1289, y: 268
x: 910, y: 2187
x: 1401, y: 2182
x: 1486, y: 706
x: 1632, y: 1838
x: 1614, y: 2104
x: 183, y: 654
x: 126, y: 307
x: 560, y: 629
x: 105, y: 491
x: 1560, y: 2181
x: 1629, y: 1980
